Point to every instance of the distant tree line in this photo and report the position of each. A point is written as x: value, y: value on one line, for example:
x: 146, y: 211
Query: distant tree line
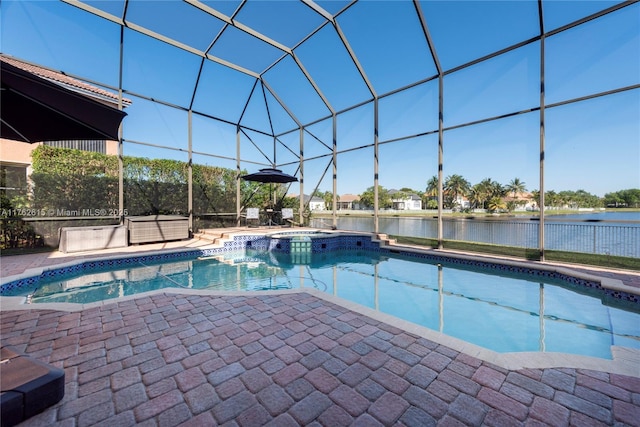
x: 492, y: 196
x: 623, y: 199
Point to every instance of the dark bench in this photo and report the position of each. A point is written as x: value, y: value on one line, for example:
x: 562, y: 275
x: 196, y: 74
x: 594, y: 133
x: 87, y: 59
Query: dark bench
x: 28, y: 386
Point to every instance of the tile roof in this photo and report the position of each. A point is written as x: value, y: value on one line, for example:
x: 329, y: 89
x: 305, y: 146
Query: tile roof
x: 64, y: 80
x: 349, y: 198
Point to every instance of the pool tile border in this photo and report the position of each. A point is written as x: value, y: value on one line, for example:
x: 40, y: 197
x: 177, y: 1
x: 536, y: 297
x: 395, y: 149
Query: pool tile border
x: 327, y: 242
x: 587, y: 282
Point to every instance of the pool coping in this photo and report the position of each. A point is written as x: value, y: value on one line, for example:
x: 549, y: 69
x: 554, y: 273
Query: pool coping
x: 626, y: 361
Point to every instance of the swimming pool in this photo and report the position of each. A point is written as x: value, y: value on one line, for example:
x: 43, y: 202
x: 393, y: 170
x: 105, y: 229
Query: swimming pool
x: 498, y: 308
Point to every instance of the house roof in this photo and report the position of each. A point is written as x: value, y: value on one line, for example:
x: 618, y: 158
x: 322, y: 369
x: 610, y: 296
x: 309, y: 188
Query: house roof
x: 412, y: 196
x: 522, y: 196
x: 66, y: 81
x: 314, y: 199
x: 349, y: 198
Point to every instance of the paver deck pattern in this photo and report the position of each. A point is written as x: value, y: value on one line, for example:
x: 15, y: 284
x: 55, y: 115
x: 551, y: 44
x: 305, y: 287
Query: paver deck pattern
x: 288, y: 360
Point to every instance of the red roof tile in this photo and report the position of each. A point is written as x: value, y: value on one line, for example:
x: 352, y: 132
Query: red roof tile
x: 349, y: 198
x: 64, y: 80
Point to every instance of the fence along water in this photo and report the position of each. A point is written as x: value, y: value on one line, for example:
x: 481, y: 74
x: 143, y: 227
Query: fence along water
x: 604, y: 237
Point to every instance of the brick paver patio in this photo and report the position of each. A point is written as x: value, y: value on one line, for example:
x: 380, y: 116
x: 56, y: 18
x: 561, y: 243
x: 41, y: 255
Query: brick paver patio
x: 288, y: 360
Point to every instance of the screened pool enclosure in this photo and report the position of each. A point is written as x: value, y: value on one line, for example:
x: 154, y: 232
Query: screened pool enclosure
x: 348, y: 96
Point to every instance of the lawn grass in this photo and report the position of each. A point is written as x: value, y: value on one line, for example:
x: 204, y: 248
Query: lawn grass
x: 608, y: 261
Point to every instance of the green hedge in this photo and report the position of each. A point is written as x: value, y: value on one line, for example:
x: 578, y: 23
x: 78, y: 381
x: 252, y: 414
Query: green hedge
x: 77, y: 180
x: 75, y: 183
x: 84, y: 184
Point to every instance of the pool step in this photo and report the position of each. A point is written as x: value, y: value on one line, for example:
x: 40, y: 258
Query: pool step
x: 213, y: 236
x: 385, y: 240
x: 218, y: 237
x: 219, y: 258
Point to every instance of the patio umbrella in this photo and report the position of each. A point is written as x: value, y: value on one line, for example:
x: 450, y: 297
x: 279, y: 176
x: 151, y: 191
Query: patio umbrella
x: 269, y: 175
x: 34, y: 109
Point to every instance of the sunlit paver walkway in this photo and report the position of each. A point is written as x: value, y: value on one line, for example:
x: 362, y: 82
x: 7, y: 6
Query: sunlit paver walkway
x: 287, y: 360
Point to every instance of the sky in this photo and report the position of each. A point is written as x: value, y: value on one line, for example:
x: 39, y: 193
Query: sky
x: 592, y: 145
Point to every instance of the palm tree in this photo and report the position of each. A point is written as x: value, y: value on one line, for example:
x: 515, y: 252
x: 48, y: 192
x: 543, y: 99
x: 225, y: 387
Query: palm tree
x: 327, y: 197
x: 516, y: 187
x: 476, y: 196
x: 431, y: 193
x: 496, y: 203
x: 485, y: 189
x: 432, y: 187
x: 551, y: 199
x: 535, y: 198
x: 497, y: 190
x: 456, y: 186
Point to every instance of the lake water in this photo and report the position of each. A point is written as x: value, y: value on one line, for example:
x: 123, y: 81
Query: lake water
x: 606, y: 233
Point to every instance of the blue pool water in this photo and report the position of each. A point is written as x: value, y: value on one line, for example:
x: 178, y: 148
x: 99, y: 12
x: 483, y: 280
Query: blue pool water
x: 502, y: 312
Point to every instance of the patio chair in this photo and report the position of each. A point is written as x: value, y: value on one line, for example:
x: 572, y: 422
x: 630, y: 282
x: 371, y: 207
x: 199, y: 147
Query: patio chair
x: 253, y: 217
x: 287, y: 216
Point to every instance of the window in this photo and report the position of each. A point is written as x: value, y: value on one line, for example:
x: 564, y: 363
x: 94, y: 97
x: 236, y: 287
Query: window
x: 13, y: 180
x: 98, y: 146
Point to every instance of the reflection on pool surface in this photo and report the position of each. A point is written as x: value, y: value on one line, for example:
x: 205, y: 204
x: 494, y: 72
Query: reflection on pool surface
x: 501, y: 312
x: 299, y: 234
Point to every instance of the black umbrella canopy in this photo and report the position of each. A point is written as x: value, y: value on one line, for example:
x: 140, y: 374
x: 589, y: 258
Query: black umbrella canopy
x: 34, y: 109
x: 270, y: 175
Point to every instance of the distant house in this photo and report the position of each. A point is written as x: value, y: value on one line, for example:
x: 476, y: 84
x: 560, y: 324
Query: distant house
x: 402, y: 201
x: 349, y: 201
x: 524, y: 201
x: 315, y: 203
x: 462, y: 202
x: 458, y: 202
